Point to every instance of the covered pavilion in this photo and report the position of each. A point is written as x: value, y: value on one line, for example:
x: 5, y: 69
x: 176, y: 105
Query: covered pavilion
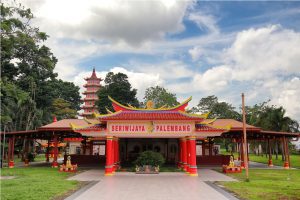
x: 115, y: 139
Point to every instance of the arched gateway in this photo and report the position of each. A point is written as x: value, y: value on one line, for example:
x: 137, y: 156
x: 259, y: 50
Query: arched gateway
x: 129, y: 131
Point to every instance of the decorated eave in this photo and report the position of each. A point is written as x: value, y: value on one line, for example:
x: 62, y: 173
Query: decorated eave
x: 119, y: 107
x: 123, y: 112
x: 92, y: 129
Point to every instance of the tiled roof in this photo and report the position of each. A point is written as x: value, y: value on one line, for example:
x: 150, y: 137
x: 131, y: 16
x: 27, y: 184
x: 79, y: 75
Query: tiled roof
x: 209, y: 128
x: 151, y: 115
x: 65, y: 124
x: 235, y: 125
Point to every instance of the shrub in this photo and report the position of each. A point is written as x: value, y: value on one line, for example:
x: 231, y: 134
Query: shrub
x: 150, y: 158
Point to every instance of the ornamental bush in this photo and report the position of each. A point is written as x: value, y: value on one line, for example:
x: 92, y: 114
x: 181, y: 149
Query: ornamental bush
x: 150, y: 158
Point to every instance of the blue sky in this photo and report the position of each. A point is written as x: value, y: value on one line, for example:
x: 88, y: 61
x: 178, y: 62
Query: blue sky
x: 192, y: 48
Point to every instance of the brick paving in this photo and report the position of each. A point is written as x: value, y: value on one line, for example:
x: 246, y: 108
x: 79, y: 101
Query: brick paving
x: 164, y: 186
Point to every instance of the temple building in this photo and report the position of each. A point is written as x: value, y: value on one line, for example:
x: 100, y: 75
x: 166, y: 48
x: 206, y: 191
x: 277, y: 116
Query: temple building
x: 92, y: 86
x: 116, y: 139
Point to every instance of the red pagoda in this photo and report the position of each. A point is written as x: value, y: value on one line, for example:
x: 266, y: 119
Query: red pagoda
x: 92, y: 86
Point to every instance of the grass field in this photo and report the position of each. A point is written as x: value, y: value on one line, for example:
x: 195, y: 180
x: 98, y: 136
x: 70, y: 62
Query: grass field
x: 267, y: 184
x: 294, y: 158
x: 35, y: 183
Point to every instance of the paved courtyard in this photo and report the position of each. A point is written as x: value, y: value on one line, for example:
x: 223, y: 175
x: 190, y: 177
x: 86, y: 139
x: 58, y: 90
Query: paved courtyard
x: 173, y: 186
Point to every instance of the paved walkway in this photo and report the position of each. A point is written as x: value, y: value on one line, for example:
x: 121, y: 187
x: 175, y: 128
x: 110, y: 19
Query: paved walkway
x: 165, y: 186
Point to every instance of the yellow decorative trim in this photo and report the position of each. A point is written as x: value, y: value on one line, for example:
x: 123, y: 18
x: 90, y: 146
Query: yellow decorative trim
x: 106, y: 115
x: 130, y: 106
x: 205, y: 115
x: 89, y: 122
x: 193, y: 174
x: 108, y: 174
x: 191, y: 137
x: 108, y: 111
x: 161, y: 108
x: 208, y: 122
x: 227, y: 127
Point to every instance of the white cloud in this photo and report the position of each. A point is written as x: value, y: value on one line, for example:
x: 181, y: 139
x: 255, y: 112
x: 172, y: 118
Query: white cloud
x: 264, y: 52
x: 286, y: 94
x: 205, y: 22
x: 132, y: 22
x: 168, y: 70
x: 138, y: 80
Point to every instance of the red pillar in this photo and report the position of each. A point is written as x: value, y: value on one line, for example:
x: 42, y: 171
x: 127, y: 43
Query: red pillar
x: 184, y: 154
x: 116, y: 152
x: 188, y: 148
x: 242, y: 153
x: 11, y: 145
x: 286, y: 164
x: 192, y: 156
x: 270, y: 163
x: 55, y: 151
x: 109, y: 156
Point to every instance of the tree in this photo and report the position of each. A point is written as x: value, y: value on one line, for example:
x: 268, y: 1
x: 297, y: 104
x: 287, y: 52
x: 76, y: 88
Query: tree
x: 62, y: 109
x: 118, y: 87
x: 217, y: 109
x: 271, y: 118
x: 160, y: 97
x: 18, y: 110
x: 61, y: 89
x: 25, y: 61
x: 28, y: 85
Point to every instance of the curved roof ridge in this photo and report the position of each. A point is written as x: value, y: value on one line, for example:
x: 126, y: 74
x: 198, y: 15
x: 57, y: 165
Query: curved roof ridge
x: 118, y: 106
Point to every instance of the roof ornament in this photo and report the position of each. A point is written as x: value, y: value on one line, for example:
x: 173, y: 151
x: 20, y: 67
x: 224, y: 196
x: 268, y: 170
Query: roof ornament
x: 54, y: 119
x: 149, y: 105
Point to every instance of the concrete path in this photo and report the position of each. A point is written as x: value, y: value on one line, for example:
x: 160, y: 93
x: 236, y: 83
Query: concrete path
x: 164, y: 186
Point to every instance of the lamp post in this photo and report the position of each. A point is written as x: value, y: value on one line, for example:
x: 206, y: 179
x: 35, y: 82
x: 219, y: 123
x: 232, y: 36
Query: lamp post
x: 245, y: 138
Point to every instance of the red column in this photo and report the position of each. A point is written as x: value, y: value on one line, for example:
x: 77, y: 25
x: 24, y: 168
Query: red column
x: 286, y: 164
x: 188, y: 155
x: 55, y: 151
x: 11, y: 145
x: 242, y: 153
x: 113, y: 154
x: 184, y: 154
x: 115, y: 150
x: 270, y: 163
x: 109, y: 156
x: 192, y: 156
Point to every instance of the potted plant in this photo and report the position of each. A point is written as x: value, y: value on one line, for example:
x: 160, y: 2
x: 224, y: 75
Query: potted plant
x: 149, y: 162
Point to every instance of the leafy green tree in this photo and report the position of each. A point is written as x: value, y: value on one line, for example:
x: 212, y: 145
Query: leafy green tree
x: 118, y: 87
x: 160, y: 97
x: 61, y: 89
x: 25, y: 61
x: 217, y: 109
x: 62, y: 109
x: 271, y: 118
x: 18, y: 109
x: 29, y: 84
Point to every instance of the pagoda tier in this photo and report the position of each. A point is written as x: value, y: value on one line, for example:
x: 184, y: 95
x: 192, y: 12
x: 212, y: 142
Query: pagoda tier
x: 92, y: 86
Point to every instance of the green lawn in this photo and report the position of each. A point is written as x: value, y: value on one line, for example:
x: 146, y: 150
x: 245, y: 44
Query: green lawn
x: 32, y: 183
x: 294, y: 158
x: 267, y: 184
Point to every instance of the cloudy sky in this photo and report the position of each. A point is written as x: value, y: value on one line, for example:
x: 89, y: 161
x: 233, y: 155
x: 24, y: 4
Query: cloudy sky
x: 191, y: 48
